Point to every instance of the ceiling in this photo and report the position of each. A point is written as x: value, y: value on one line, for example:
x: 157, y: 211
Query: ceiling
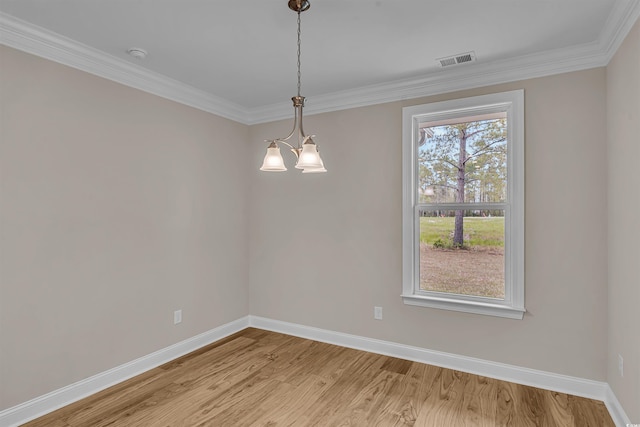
x: 239, y: 57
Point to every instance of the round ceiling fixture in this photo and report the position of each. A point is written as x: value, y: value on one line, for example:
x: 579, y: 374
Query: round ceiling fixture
x: 299, y: 5
x: 137, y: 53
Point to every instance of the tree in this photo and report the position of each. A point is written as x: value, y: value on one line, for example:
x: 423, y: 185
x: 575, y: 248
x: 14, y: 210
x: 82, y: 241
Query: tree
x: 464, y: 162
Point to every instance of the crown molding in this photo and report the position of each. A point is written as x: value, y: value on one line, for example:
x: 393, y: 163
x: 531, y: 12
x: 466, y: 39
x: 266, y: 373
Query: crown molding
x: 620, y: 21
x: 581, y: 57
x: 41, y: 42
x: 38, y: 41
x: 466, y: 77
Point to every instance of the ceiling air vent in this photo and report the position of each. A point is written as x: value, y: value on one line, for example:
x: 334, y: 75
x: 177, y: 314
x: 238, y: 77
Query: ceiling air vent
x: 460, y: 58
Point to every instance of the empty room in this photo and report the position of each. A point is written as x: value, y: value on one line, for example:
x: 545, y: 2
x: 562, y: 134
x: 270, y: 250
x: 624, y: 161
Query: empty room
x: 319, y: 213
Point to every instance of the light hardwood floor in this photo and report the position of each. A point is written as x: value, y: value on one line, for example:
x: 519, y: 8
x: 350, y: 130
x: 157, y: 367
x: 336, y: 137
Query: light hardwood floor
x: 260, y: 378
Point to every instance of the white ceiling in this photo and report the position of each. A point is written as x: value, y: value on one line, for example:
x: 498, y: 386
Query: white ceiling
x: 241, y: 55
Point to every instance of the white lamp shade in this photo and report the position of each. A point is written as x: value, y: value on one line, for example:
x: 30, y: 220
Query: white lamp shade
x: 273, y: 161
x: 315, y: 170
x: 309, y: 157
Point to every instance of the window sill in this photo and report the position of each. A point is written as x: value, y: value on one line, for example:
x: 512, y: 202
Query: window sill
x: 475, y: 307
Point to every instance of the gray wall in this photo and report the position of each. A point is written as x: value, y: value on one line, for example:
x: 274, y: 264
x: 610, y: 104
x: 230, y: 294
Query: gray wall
x: 326, y: 248
x: 118, y: 207
x: 623, y: 149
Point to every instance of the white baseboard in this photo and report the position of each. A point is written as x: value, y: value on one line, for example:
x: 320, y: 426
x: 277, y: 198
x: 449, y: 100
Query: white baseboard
x: 541, y: 379
x: 56, y: 399
x: 616, y: 411
x: 49, y: 402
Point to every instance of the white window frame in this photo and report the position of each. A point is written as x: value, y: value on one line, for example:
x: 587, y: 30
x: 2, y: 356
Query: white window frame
x: 513, y: 304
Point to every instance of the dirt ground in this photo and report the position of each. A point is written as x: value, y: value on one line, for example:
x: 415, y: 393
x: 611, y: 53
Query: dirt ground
x: 475, y: 271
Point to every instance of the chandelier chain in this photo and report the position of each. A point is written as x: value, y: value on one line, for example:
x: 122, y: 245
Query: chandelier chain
x: 298, y: 52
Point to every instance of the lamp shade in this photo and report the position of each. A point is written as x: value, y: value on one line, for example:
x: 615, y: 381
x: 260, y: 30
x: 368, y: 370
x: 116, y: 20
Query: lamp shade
x: 273, y: 161
x: 315, y: 170
x: 309, y: 156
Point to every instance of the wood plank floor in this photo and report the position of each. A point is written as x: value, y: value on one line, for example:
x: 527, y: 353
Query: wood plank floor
x: 260, y: 378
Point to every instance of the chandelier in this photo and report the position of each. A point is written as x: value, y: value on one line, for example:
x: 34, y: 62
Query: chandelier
x: 306, y: 151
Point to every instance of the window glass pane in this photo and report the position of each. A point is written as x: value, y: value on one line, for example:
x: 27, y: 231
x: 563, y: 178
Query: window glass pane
x: 462, y: 252
x: 463, y: 161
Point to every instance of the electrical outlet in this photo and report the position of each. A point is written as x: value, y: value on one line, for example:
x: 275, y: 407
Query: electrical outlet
x: 620, y: 364
x: 377, y: 313
x: 177, y: 317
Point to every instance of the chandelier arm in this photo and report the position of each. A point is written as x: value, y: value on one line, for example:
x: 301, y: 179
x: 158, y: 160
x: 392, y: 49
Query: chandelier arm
x: 288, y: 136
x: 295, y: 124
x: 285, y: 143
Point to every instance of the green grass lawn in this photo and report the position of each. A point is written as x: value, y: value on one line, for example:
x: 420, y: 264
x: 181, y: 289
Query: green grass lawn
x: 478, y: 231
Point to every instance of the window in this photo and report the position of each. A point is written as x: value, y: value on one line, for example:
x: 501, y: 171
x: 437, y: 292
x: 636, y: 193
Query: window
x: 463, y: 205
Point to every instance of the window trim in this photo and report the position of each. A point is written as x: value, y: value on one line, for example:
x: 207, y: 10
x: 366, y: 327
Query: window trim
x: 512, y: 306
